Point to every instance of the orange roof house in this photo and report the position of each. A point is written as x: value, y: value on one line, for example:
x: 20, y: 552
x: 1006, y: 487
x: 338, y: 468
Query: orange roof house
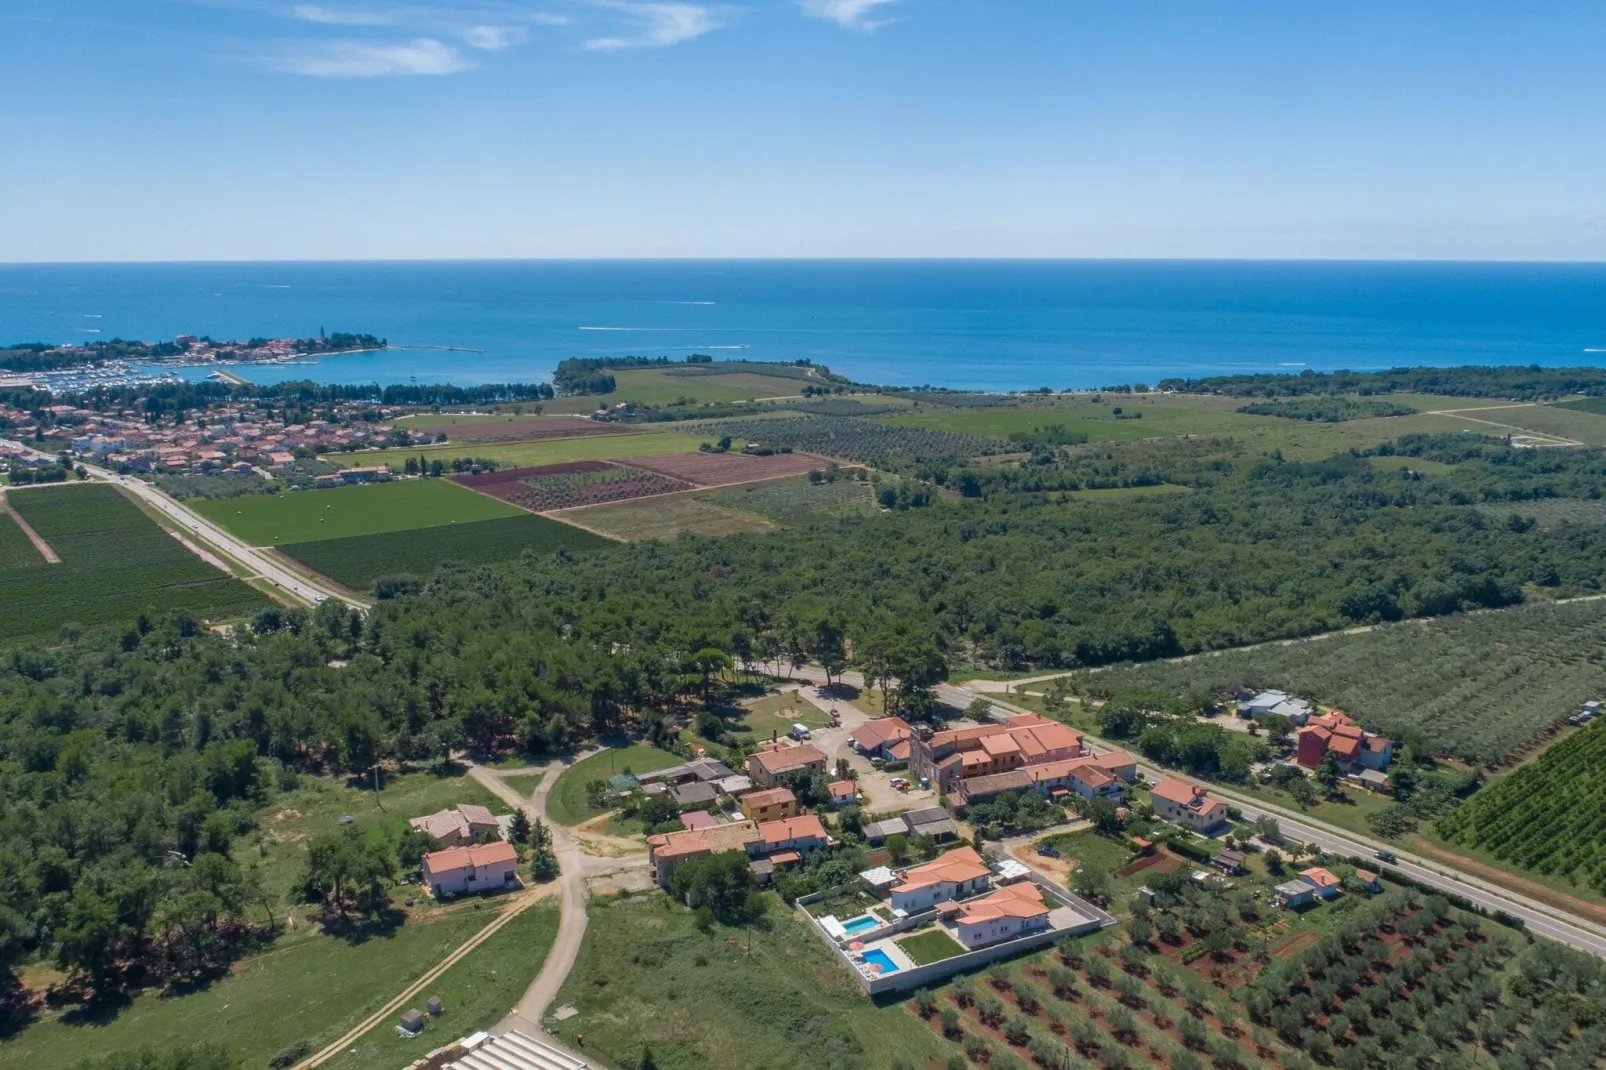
x: 768, y: 766
x: 1009, y: 911
x: 983, y: 750
x: 1188, y: 804
x: 875, y: 737
x: 955, y: 873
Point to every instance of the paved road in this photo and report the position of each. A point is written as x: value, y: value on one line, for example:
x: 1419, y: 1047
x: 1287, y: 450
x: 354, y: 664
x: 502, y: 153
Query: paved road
x: 1542, y: 918
x: 256, y: 561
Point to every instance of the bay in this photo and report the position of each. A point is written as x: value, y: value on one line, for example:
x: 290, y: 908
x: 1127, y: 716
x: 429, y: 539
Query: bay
x: 984, y: 325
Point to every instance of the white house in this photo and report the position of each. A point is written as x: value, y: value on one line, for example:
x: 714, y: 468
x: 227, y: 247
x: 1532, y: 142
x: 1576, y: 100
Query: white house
x: 1006, y: 913
x: 952, y: 875
x: 483, y: 868
x: 1187, y: 804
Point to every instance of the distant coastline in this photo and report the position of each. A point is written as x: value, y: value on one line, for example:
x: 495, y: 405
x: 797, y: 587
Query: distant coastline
x: 969, y: 325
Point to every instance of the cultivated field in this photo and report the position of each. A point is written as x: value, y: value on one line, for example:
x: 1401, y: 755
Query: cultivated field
x: 660, y: 387
x: 716, y: 469
x: 790, y: 500
x: 359, y: 560
x: 569, y: 486
x: 529, y: 428
x: 867, y: 441
x: 538, y: 452
x: 342, y: 512
x: 663, y: 518
x: 1483, y: 686
x: 115, y: 563
x: 1546, y: 816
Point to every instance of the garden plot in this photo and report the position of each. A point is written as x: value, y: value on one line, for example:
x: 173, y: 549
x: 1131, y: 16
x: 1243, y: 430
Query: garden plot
x: 570, y: 486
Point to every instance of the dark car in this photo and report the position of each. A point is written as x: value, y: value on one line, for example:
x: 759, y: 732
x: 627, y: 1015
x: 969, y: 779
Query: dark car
x: 1383, y: 856
x: 1048, y: 852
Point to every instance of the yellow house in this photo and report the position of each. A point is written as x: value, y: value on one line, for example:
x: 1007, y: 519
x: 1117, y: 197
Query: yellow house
x: 775, y: 804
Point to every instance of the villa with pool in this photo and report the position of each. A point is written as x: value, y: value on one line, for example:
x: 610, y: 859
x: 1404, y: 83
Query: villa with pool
x: 953, y: 913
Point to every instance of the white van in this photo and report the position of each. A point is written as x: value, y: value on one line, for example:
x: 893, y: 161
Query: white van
x: 799, y: 731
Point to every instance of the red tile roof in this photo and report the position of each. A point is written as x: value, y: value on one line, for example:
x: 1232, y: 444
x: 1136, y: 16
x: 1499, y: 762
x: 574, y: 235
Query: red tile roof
x: 484, y: 854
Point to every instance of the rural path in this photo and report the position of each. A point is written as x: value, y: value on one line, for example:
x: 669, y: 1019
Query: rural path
x: 27, y: 529
x: 291, y: 584
x: 1543, y: 918
x: 574, y: 869
x: 519, y: 904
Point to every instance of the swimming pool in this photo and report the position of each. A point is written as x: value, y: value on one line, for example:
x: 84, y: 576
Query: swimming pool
x: 876, y: 957
x: 862, y: 924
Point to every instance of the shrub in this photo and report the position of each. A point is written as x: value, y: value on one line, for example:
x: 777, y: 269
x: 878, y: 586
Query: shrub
x: 925, y: 1003
x: 990, y: 1009
x: 964, y: 992
x: 290, y: 1055
x: 1017, y: 1032
x: 977, y: 1048
x: 950, y: 1022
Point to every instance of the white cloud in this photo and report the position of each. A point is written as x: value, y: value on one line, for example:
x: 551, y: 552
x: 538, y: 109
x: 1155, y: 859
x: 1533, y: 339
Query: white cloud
x: 546, y: 18
x: 494, y: 38
x: 852, y: 14
x: 329, y: 16
x: 373, y: 59
x: 656, y: 25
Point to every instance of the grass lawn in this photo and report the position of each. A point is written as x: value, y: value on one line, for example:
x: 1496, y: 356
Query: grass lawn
x: 535, y: 451
x: 524, y: 783
x: 566, y: 802
x: 115, y: 563
x: 663, y: 517
x: 778, y: 713
x: 1350, y: 815
x: 647, y: 977
x: 933, y: 945
x: 312, y: 991
x: 279, y: 843
x: 477, y: 992
x: 341, y: 512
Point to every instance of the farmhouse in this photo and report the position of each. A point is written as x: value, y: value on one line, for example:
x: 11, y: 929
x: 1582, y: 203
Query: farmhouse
x: 1335, y: 734
x: 458, y: 827
x: 1002, y: 915
x: 1323, y: 881
x: 483, y: 868
x: 778, y: 760
x: 843, y: 793
x: 989, y: 749
x: 1187, y: 804
x: 793, y: 839
x: 955, y: 874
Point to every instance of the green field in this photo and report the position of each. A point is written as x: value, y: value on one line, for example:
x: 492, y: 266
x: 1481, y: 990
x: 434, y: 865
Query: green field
x: 477, y: 992
x: 115, y: 563
x: 1596, y: 405
x: 647, y: 978
x: 536, y: 452
x: 359, y: 560
x: 663, y: 517
x: 342, y: 512
x: 311, y: 991
x: 483, y: 420
x: 1159, y: 415
x: 278, y: 845
x: 1569, y: 423
x: 566, y: 802
x: 795, y: 499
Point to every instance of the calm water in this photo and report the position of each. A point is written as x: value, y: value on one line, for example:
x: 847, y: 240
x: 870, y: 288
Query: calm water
x: 970, y: 324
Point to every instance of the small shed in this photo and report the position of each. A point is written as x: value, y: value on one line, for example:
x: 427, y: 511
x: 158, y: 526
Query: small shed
x: 696, y: 793
x: 1229, y: 862
x: 623, y: 783
x: 413, y: 1021
x: 1295, y: 894
x: 435, y: 1006
x: 880, y: 878
x: 762, y: 870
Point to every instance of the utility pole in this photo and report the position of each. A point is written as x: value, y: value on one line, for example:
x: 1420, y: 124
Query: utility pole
x: 377, y: 803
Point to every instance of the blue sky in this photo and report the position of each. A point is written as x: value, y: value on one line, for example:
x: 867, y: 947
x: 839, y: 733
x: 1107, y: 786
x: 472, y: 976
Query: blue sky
x: 275, y: 129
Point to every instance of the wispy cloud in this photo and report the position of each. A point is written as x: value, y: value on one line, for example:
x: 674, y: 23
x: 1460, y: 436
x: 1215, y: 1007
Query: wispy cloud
x: 657, y: 25
x: 495, y: 38
x: 547, y: 18
x: 852, y: 14
x: 329, y: 16
x: 372, y: 59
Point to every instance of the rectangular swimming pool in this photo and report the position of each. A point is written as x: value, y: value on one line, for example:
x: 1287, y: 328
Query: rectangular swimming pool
x: 876, y: 957
x: 862, y: 924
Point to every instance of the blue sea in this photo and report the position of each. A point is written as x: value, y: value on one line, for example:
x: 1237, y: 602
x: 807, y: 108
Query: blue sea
x: 984, y: 325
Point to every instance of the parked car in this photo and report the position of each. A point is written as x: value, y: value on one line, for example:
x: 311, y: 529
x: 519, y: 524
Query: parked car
x: 1383, y: 856
x: 1047, y: 852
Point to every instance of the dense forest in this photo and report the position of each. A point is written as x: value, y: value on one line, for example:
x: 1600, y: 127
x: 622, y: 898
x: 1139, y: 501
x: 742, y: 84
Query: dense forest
x: 1520, y: 383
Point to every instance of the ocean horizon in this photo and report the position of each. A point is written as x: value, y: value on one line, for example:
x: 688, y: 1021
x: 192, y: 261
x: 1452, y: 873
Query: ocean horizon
x: 964, y: 324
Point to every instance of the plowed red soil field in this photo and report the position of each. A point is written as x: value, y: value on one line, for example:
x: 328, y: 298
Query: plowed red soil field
x: 513, y: 475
